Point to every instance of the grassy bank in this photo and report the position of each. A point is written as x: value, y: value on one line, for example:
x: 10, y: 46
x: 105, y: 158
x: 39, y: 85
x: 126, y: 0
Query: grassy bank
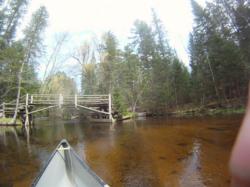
x: 207, y: 112
x: 7, y: 121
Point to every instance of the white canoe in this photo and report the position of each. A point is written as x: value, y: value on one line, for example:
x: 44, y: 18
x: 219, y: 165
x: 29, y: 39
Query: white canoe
x: 66, y: 169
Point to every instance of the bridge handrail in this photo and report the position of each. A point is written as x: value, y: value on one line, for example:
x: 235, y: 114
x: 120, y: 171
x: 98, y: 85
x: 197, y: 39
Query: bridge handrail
x: 44, y: 94
x: 13, y: 101
x: 93, y: 103
x: 94, y: 95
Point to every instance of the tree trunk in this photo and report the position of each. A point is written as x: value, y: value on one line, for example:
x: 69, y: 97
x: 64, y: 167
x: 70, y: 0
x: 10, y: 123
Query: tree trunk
x: 18, y: 93
x: 176, y: 97
x: 134, y: 105
x: 213, y: 78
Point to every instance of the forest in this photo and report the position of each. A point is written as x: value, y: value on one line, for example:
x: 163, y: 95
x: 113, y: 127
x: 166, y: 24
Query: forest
x: 145, y: 74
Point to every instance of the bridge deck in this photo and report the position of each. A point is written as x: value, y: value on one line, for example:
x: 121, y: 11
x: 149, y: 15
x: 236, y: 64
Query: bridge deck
x: 94, y: 103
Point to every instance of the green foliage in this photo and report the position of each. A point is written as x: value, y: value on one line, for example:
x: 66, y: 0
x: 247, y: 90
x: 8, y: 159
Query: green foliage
x: 146, y: 75
x: 109, y: 63
x: 60, y: 83
x: 144, y: 44
x: 119, y: 102
x: 9, y: 67
x: 17, y: 58
x: 33, y: 35
x: 132, y: 79
x: 10, y: 15
x: 218, y: 62
x: 89, y: 78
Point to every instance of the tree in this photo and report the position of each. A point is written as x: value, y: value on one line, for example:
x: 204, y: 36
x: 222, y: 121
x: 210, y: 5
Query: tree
x: 162, y: 44
x: 180, y: 83
x: 55, y: 60
x: 109, y: 63
x: 85, y: 56
x: 10, y: 17
x: 132, y: 84
x: 9, y: 66
x: 11, y: 52
x: 89, y: 79
x: 32, y: 46
x: 215, y: 55
x: 144, y: 44
x: 60, y: 83
x: 242, y: 16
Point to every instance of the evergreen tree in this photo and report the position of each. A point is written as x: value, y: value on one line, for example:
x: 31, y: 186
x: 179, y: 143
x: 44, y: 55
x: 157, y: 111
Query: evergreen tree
x: 242, y: 20
x: 10, y: 18
x: 144, y: 44
x: 110, y: 57
x: 133, y: 85
x: 215, y: 56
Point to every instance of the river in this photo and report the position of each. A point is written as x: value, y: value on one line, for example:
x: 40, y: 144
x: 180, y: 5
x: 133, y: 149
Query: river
x: 153, y: 152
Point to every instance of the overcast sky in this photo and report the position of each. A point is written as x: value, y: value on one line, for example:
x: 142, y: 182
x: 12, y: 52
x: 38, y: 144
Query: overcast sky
x: 86, y: 18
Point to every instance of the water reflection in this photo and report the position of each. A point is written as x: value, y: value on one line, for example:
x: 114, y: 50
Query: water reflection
x: 27, y: 131
x: 191, y: 175
x: 154, y: 152
x: 5, y: 132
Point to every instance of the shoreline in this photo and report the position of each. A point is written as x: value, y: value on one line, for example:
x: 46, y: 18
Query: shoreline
x: 8, y: 122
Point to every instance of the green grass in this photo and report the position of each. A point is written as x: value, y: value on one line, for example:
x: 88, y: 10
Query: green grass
x: 227, y: 111
x: 209, y: 112
x: 6, y: 121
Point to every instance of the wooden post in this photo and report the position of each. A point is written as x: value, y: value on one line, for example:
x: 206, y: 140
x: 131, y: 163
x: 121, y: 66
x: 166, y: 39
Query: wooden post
x: 27, y: 100
x: 31, y: 99
x: 75, y: 100
x: 60, y: 100
x: 27, y: 111
x: 110, y: 107
x: 3, y: 109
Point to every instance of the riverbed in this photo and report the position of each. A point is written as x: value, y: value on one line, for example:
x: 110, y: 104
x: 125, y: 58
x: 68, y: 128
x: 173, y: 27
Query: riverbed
x: 141, y: 153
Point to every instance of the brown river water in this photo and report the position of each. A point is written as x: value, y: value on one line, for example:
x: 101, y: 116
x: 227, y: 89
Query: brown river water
x: 142, y: 153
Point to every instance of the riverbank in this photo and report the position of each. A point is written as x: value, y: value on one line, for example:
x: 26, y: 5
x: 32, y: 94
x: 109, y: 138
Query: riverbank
x: 8, y: 122
x: 186, y: 112
x: 207, y: 112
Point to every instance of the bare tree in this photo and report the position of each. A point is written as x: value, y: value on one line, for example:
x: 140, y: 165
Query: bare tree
x: 85, y: 57
x: 53, y: 63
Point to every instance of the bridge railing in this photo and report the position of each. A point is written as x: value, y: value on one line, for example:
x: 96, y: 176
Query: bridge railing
x: 94, y: 100
x: 68, y: 99
x: 59, y: 99
x: 44, y: 99
x: 8, y: 109
x: 89, y: 102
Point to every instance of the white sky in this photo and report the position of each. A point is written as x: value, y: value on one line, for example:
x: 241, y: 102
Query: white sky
x: 86, y: 18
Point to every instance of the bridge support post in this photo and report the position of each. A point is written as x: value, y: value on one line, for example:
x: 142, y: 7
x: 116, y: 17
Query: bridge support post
x: 75, y: 100
x: 110, y: 107
x: 3, y: 109
x: 27, y: 121
x: 60, y: 100
x: 31, y: 99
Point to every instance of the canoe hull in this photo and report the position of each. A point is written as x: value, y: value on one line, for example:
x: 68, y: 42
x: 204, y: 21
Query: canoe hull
x: 66, y: 169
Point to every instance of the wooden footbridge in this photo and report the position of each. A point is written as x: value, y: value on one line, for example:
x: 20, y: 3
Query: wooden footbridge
x: 34, y: 103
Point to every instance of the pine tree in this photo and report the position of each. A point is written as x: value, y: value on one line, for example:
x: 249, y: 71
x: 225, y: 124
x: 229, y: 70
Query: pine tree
x: 110, y: 58
x: 215, y: 56
x: 10, y: 17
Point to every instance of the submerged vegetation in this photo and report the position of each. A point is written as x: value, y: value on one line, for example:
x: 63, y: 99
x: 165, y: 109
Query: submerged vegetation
x: 146, y: 74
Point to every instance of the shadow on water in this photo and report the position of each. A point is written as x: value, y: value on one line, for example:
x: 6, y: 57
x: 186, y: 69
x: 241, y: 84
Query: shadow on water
x: 152, y: 152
